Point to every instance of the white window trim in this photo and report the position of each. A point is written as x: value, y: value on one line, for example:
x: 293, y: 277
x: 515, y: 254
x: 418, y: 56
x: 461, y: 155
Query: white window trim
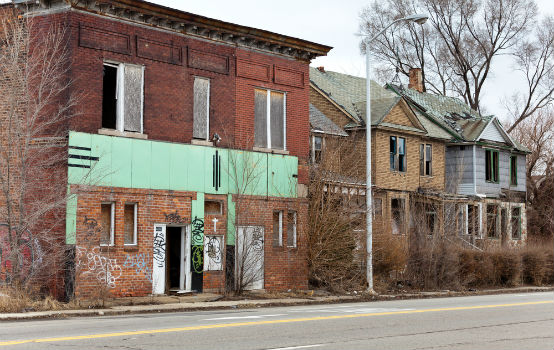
x: 120, y: 96
x: 268, y: 117
x: 135, y: 225
x: 280, y: 228
x: 207, y: 107
x: 112, y: 225
x: 293, y: 232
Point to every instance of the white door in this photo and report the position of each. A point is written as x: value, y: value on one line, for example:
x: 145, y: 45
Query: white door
x: 158, y: 263
x: 249, y: 261
x: 185, y: 282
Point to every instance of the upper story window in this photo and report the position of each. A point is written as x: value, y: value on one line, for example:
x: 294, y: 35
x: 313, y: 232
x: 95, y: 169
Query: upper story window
x: 513, y: 170
x: 317, y: 149
x: 425, y: 160
x: 397, y: 154
x: 491, y: 165
x: 269, y: 119
x: 122, y: 98
x: 201, y: 109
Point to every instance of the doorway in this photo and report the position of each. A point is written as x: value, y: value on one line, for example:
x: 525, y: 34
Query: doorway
x: 171, y: 265
x: 249, y: 260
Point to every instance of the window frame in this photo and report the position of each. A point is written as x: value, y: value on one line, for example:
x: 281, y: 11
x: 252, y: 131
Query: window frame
x: 120, y: 95
x: 492, y: 174
x: 394, y: 155
x: 423, y: 159
x: 294, y: 228
x: 513, y: 170
x: 268, y: 117
x: 402, y: 215
x: 494, y: 215
x: 135, y: 224
x: 279, y: 241
x: 112, y: 224
x: 518, y: 217
x: 207, y: 138
x: 315, y: 159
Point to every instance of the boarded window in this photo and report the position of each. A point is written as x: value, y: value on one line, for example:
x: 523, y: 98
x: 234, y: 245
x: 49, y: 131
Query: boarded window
x: 516, y: 223
x: 107, y: 221
x: 201, y: 108
x: 278, y: 228
x: 291, y: 228
x: 269, y: 123
x: 260, y: 118
x: 130, y: 224
x: 213, y: 207
x: 133, y: 98
x: 397, y: 215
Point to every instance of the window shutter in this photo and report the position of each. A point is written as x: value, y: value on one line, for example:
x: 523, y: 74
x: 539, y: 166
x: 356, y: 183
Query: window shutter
x: 200, y: 108
x: 260, y: 118
x: 133, y: 98
x: 277, y: 120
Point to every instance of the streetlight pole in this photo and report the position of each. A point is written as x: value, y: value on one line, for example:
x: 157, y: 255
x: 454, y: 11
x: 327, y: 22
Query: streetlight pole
x: 417, y: 18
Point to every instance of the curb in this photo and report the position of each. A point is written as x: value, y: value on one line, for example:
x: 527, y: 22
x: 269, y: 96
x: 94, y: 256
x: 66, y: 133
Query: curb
x: 250, y: 304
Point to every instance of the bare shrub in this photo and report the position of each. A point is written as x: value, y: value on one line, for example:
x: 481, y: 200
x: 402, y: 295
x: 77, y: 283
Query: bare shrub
x: 389, y: 256
x: 506, y: 269
x: 533, y: 261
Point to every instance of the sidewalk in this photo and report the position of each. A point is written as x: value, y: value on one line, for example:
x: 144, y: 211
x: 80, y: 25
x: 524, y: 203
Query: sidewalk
x: 207, y: 301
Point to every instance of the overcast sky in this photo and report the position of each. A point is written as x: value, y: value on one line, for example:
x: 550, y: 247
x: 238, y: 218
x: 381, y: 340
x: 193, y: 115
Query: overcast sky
x: 328, y: 22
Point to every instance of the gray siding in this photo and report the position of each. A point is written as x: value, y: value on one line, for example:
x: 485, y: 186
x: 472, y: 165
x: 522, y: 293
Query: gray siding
x: 459, y: 169
x: 494, y: 189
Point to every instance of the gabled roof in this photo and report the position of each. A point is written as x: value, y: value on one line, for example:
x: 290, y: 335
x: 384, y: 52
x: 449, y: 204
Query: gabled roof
x: 454, y: 116
x: 320, y: 123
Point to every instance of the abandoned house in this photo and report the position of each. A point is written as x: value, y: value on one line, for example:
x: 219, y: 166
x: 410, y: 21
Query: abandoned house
x: 437, y: 166
x: 188, y: 160
x: 483, y: 164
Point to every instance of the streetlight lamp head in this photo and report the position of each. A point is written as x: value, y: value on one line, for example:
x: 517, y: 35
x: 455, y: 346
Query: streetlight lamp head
x: 417, y: 18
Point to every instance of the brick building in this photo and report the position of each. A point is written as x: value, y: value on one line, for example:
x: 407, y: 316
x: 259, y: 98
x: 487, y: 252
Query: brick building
x: 188, y: 159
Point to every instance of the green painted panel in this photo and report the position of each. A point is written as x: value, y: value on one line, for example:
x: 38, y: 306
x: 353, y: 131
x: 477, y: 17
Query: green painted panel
x: 197, y: 227
x: 122, y: 150
x: 142, y: 164
x: 210, y: 176
x: 196, y: 157
x: 281, y: 179
x: 71, y: 219
x: 230, y: 220
x: 247, y: 172
x: 178, y: 168
x: 77, y: 174
x: 101, y: 173
x: 160, y: 165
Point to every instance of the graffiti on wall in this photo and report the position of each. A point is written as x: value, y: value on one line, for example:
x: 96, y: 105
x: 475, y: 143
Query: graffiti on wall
x: 213, y: 258
x: 92, y: 262
x: 28, y: 257
x: 139, y: 262
x: 159, y: 247
x: 175, y: 218
x: 92, y: 229
x: 197, y: 245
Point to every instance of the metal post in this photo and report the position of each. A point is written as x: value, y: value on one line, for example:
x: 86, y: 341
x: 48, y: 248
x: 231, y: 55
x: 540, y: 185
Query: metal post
x: 369, y: 200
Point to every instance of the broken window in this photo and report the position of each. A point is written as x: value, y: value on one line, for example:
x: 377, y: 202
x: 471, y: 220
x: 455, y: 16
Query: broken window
x: 213, y: 207
x: 397, y: 215
x: 122, y: 97
x: 278, y: 228
x: 472, y: 219
x: 492, y: 218
x: 491, y: 165
x: 516, y: 223
x: 130, y: 224
x: 513, y: 170
x: 425, y: 160
x: 107, y: 213
x: 397, y: 149
x: 317, y: 149
x: 269, y: 119
x: 201, y: 109
x: 291, y: 228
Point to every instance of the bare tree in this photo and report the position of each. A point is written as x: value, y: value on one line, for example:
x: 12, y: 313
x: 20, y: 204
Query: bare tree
x: 35, y: 105
x: 461, y: 43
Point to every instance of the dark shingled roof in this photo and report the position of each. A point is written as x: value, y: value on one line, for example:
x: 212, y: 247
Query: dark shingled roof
x: 321, y: 123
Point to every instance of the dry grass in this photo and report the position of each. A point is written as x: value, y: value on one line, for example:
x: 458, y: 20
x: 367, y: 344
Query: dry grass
x: 21, y: 300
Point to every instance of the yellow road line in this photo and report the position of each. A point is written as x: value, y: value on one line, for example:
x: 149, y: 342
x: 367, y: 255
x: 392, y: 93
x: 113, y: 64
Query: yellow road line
x: 255, y: 323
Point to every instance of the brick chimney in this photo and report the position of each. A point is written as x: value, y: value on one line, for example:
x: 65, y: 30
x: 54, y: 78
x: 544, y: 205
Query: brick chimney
x: 321, y: 69
x: 416, y: 80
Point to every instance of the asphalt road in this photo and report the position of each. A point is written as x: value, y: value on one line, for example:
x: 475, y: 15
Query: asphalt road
x: 508, y: 321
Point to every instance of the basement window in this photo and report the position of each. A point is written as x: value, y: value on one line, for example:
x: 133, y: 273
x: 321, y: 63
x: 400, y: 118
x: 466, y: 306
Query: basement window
x: 278, y: 228
x: 269, y: 119
x: 201, y: 109
x: 291, y: 228
x: 122, y: 97
x: 107, y: 218
x: 130, y: 224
